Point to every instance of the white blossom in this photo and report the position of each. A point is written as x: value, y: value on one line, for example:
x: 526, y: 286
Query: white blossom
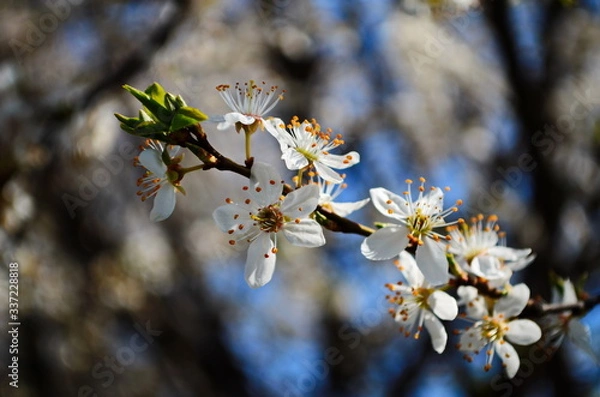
x: 421, y: 303
x: 329, y: 191
x: 475, y: 304
x: 249, y: 102
x: 498, y: 330
x: 162, y: 178
x: 480, y: 250
x: 557, y: 326
x: 418, y: 219
x: 262, y: 214
x: 305, y: 144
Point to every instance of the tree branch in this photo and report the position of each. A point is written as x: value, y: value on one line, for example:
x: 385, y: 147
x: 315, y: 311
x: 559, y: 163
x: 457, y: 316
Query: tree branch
x: 536, y: 308
x: 195, y: 139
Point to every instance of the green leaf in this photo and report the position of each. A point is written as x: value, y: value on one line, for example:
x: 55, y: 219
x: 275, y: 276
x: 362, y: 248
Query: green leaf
x: 162, y: 112
x: 193, y: 113
x: 127, y: 128
x: 144, y: 116
x: 157, y: 92
x: 181, y: 121
x: 180, y: 102
x: 174, y: 102
x: 149, y: 127
x: 155, y: 108
x: 186, y: 116
x: 170, y: 101
x: 128, y: 121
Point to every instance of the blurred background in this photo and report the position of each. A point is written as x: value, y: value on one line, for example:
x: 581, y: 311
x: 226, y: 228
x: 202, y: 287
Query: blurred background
x: 499, y: 101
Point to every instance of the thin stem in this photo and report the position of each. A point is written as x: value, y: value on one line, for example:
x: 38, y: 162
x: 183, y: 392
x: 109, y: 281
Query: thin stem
x: 536, y: 308
x: 248, y: 145
x: 191, y: 169
x: 299, y: 177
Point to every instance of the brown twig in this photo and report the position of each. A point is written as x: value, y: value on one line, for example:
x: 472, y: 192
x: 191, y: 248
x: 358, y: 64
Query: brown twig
x: 537, y: 308
x: 481, y: 284
x: 195, y: 139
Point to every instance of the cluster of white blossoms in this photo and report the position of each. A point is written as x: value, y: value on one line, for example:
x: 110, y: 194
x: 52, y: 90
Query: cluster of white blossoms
x: 265, y: 210
x: 435, y: 255
x: 423, y: 228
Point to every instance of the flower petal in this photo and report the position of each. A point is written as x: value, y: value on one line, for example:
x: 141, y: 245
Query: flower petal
x: 569, y: 295
x: 301, y: 202
x: 507, y: 253
x: 443, y: 305
x: 385, y: 243
x: 327, y: 173
x: 509, y: 357
x: 410, y: 270
x: 521, y: 263
x: 471, y: 339
x: 305, y: 233
x: 228, y: 216
x: 151, y: 160
x: 489, y: 267
x: 265, y: 184
x: 164, y: 203
x: 234, y: 220
x: 345, y: 209
x: 431, y: 259
x: 579, y: 335
x: 389, y: 204
x: 523, y: 332
x: 223, y: 125
x: 276, y: 127
x: 338, y: 161
x: 293, y: 159
x: 433, y: 202
x: 437, y: 332
x: 514, y: 302
x: 234, y: 117
x: 260, y: 263
x: 475, y: 306
x: 466, y: 293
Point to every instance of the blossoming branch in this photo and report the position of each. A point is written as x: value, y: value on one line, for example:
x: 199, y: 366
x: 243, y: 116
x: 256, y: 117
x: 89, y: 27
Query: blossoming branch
x: 452, y: 270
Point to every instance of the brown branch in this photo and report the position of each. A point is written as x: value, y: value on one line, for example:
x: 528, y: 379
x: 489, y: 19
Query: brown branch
x: 194, y: 138
x: 481, y: 284
x: 537, y: 308
x: 337, y: 223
